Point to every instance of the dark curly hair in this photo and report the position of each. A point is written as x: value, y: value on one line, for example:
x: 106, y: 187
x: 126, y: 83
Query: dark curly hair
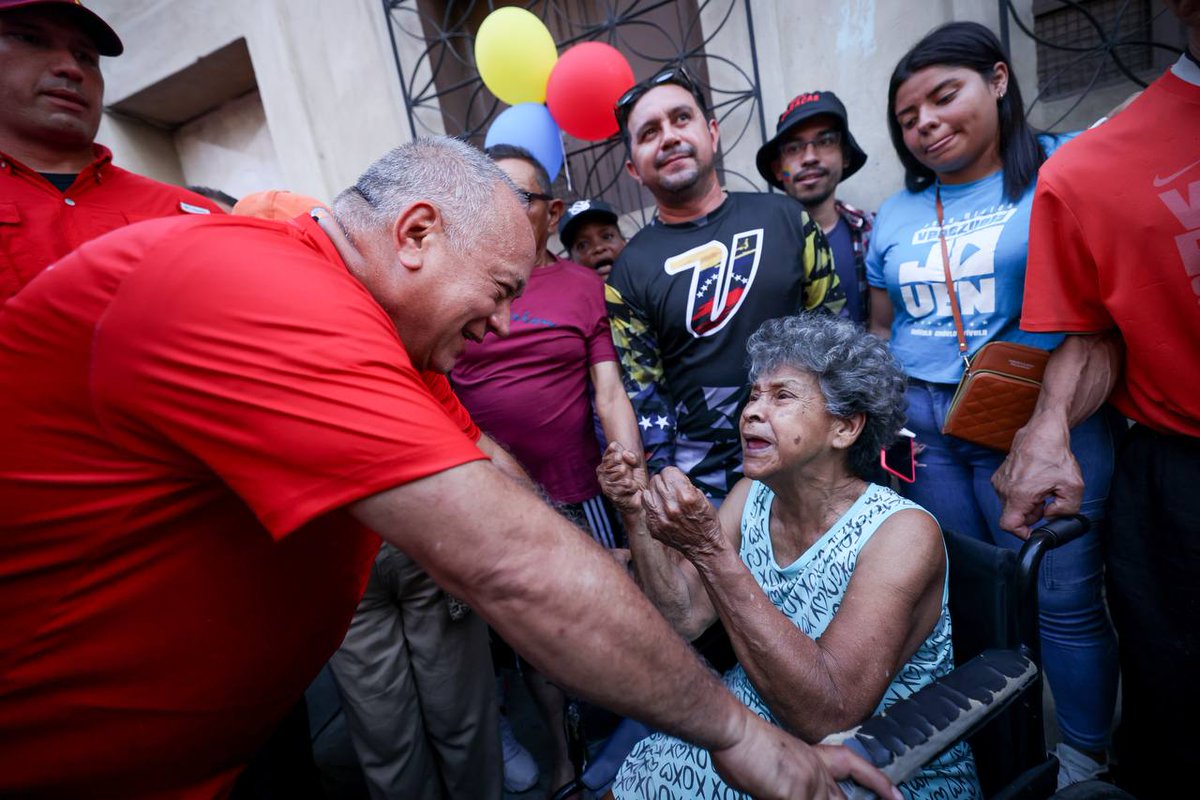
x: 856, y: 371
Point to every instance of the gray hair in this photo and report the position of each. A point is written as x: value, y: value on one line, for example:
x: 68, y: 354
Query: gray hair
x: 856, y: 371
x: 451, y: 174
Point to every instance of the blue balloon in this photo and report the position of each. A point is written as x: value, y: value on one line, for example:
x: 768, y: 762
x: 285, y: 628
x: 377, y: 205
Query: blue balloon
x: 529, y: 125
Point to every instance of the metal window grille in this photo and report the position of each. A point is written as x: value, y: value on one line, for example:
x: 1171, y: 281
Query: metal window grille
x: 441, y: 81
x: 1079, y: 43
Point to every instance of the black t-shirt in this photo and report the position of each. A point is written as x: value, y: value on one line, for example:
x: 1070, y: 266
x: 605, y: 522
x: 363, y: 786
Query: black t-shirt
x: 61, y: 180
x: 684, y: 299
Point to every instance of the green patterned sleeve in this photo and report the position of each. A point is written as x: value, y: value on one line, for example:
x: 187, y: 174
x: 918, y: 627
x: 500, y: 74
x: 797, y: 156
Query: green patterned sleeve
x: 822, y: 289
x: 645, y: 382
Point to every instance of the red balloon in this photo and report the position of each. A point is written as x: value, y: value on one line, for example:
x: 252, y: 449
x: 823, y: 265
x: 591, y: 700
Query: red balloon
x: 586, y: 82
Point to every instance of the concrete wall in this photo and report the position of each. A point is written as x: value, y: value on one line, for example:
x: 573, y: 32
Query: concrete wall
x: 851, y: 47
x: 328, y: 99
x: 230, y: 148
x: 325, y: 73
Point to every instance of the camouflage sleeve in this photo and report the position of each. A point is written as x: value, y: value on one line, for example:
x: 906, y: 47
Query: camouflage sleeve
x: 822, y: 289
x: 645, y: 383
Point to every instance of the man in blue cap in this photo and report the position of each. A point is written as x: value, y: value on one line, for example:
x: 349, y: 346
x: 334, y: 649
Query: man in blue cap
x: 812, y: 152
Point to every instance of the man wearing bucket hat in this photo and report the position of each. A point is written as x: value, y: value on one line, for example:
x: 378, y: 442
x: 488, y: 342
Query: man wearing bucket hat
x: 812, y: 152
x: 58, y: 188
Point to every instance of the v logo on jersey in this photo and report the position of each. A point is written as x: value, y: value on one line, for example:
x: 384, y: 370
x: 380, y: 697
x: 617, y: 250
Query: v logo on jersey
x: 719, y: 283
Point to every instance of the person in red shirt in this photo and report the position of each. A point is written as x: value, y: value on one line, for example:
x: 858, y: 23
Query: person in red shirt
x: 1114, y: 260
x: 58, y: 188
x: 207, y: 421
x: 414, y: 673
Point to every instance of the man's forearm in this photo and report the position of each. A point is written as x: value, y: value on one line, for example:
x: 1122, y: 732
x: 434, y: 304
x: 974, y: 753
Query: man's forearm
x: 1080, y: 376
x: 504, y: 461
x: 556, y: 597
x: 614, y: 409
x: 1040, y: 466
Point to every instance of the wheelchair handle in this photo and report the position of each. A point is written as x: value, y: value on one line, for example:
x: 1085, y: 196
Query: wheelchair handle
x: 1051, y: 533
x: 1061, y: 530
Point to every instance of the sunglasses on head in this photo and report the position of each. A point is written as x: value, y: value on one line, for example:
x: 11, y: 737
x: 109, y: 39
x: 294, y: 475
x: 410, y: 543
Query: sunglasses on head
x: 677, y: 75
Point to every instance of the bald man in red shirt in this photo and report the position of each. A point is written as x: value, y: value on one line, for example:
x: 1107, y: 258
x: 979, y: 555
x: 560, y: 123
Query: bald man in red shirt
x: 58, y: 188
x: 206, y: 423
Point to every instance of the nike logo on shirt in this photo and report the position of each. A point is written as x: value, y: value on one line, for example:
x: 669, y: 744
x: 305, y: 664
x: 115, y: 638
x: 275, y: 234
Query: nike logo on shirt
x: 1160, y: 182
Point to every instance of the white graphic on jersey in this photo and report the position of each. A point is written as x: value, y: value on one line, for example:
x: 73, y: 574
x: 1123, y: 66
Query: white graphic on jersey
x: 971, y: 243
x: 719, y: 282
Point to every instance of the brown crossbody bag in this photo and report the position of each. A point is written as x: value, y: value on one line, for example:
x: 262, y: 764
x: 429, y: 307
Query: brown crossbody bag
x: 1000, y: 383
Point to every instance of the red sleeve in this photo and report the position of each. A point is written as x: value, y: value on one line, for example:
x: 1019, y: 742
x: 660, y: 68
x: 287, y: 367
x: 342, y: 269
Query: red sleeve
x: 1062, y: 286
x: 441, y: 390
x: 267, y: 364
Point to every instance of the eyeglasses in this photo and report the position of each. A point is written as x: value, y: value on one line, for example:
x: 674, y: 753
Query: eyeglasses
x: 677, y: 75
x: 529, y: 197
x: 826, y: 142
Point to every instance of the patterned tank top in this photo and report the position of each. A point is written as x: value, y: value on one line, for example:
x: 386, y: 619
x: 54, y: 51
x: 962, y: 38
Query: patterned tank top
x: 809, y: 592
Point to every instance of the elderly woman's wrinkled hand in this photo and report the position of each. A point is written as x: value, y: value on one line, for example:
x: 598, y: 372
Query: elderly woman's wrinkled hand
x: 680, y: 516
x: 622, y: 478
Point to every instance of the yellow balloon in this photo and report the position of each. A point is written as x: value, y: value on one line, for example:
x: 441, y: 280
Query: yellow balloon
x: 515, y: 53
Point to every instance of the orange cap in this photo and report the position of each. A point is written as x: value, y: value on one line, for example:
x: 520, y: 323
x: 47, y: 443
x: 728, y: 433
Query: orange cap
x: 276, y: 204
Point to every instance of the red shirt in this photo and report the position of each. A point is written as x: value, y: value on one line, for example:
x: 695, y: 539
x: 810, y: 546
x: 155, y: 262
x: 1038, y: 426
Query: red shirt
x: 1115, y: 243
x: 529, y: 391
x: 189, y: 403
x: 39, y: 224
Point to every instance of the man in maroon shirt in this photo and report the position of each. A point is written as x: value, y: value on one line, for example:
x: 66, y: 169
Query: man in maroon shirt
x: 58, y: 188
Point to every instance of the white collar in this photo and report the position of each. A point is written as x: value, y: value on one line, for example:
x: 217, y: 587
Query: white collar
x: 1186, y: 70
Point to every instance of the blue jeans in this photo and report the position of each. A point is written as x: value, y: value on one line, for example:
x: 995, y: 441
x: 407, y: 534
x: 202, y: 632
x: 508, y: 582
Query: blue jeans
x: 1079, y: 650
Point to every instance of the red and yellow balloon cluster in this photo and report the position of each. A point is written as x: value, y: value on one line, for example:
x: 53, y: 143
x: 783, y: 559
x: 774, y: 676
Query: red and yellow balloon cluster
x: 574, y: 92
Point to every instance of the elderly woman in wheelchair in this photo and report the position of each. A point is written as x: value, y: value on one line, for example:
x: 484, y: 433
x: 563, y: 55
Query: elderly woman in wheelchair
x: 832, y: 589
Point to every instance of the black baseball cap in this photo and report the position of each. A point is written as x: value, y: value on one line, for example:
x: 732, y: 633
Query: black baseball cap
x: 104, y: 37
x: 805, y: 106
x: 582, y: 211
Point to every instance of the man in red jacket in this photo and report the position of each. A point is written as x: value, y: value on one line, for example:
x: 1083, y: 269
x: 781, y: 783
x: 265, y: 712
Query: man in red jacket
x: 58, y: 188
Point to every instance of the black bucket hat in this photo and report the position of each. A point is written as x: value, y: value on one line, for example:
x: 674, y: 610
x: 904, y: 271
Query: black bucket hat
x: 805, y: 106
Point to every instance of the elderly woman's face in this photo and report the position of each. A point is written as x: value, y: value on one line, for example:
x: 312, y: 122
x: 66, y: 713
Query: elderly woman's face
x: 785, y: 424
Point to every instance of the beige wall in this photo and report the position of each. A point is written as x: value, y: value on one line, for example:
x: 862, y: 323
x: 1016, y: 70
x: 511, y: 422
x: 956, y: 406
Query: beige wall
x: 230, y: 148
x: 850, y: 47
x: 330, y: 98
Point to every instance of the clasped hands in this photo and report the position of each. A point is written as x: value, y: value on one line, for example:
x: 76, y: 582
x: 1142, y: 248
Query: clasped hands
x: 676, y: 513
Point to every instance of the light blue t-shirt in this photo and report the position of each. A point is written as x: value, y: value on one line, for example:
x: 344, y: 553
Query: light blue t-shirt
x: 987, y: 237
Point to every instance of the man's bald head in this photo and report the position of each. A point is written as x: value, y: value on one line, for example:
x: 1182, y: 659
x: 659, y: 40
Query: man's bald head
x: 447, y: 173
x: 444, y: 242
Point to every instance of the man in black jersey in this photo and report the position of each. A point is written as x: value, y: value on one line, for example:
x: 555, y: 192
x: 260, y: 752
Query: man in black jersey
x: 690, y: 288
